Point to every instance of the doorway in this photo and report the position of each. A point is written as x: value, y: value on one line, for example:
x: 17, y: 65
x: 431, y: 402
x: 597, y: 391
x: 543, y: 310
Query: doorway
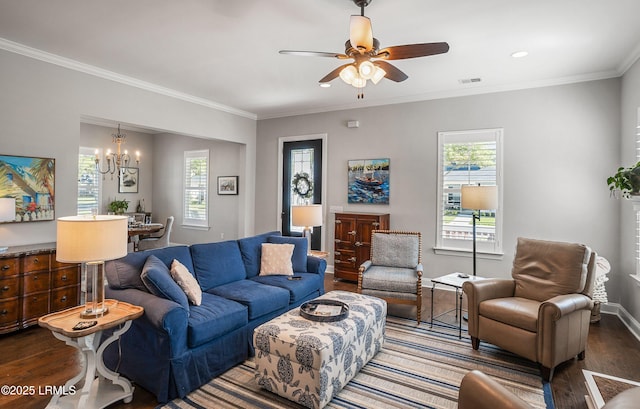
x: 301, y: 163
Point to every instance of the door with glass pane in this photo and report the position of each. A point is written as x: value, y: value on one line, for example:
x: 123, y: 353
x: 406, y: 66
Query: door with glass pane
x: 301, y: 183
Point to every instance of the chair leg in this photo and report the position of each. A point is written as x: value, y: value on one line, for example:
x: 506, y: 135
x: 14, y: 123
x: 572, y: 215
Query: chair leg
x: 581, y: 355
x: 547, y: 373
x: 475, y: 343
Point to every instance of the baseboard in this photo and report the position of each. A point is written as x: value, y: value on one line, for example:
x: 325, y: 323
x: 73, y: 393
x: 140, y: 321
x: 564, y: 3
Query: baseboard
x: 627, y: 319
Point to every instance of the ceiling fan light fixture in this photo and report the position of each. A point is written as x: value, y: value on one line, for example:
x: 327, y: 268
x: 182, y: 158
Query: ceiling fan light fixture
x: 378, y: 74
x: 359, y: 82
x: 348, y: 74
x: 360, y: 33
x: 366, y: 69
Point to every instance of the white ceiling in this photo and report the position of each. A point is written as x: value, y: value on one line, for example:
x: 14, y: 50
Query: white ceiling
x: 225, y: 52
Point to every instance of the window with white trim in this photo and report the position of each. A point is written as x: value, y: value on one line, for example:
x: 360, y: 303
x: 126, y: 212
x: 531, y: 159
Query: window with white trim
x: 89, y: 191
x: 196, y: 188
x: 468, y: 158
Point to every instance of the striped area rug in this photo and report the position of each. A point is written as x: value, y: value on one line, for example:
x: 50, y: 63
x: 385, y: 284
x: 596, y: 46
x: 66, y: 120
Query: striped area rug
x: 416, y: 368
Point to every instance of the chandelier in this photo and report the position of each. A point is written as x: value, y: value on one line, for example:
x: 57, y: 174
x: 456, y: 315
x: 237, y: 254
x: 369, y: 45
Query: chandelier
x: 117, y: 161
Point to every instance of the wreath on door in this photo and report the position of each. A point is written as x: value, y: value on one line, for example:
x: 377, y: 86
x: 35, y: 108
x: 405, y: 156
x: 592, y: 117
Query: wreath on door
x: 302, y: 185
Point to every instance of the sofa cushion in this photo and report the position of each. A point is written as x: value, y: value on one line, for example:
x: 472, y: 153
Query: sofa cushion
x: 125, y: 272
x: 216, y: 316
x: 217, y: 263
x: 251, y: 250
x: 514, y: 311
x: 186, y: 281
x: 157, y: 278
x: 299, y: 258
x: 298, y: 289
x: 276, y: 259
x: 260, y: 299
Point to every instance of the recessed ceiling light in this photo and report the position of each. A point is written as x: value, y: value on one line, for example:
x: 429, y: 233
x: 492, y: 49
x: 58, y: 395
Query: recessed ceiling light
x: 325, y: 84
x: 519, y: 54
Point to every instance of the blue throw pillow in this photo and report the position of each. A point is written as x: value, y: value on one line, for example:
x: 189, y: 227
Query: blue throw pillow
x: 157, y: 278
x: 299, y: 258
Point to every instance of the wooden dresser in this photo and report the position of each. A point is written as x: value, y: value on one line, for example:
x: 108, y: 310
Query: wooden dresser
x: 353, y: 241
x: 33, y: 284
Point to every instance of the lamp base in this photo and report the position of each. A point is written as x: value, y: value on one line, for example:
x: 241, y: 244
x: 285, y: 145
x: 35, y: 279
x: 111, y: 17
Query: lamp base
x: 99, y: 312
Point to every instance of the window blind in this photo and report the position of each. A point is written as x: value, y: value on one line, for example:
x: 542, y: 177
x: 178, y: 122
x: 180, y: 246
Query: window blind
x: 196, y: 187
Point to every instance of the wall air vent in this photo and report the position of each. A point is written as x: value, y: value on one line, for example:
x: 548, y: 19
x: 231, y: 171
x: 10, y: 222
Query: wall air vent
x: 469, y: 80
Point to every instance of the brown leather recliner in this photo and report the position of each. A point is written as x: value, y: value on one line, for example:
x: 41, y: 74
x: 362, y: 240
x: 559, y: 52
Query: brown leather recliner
x: 479, y: 391
x: 543, y: 312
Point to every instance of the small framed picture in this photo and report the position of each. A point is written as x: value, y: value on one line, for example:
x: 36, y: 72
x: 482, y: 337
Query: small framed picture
x: 227, y: 185
x: 128, y: 180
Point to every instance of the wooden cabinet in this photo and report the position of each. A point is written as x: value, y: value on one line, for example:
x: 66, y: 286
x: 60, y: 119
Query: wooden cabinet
x: 353, y: 241
x: 33, y: 284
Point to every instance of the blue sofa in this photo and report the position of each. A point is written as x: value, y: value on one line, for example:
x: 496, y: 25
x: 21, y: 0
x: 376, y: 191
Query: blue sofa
x: 176, y: 347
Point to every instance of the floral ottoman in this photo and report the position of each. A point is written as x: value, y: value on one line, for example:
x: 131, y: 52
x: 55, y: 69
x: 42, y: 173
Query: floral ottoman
x: 309, y: 362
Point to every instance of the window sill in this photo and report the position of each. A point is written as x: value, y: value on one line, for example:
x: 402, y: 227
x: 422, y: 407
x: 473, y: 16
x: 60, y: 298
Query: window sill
x: 194, y: 227
x: 636, y: 277
x: 468, y: 253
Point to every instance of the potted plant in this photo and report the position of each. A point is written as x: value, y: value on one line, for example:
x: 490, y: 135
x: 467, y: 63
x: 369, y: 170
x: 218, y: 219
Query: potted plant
x: 119, y: 206
x: 626, y: 181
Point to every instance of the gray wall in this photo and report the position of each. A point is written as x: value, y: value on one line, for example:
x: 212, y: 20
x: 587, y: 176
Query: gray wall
x: 225, y: 159
x: 560, y: 144
x: 41, y: 109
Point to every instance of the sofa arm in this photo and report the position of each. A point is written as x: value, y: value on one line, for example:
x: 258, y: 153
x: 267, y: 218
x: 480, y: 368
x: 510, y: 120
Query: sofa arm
x: 316, y: 265
x: 562, y: 305
x: 165, y: 316
x: 478, y: 291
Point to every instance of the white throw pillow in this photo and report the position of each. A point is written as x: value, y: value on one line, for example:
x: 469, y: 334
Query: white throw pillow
x: 276, y: 259
x: 187, y: 282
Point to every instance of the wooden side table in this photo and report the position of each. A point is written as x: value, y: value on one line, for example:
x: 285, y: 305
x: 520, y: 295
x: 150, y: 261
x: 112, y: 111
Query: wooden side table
x: 108, y: 387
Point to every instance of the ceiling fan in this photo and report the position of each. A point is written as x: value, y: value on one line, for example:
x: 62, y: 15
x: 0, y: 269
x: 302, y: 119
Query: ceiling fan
x: 370, y: 62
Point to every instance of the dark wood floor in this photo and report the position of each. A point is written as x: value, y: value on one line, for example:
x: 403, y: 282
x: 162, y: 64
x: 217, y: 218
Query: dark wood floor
x: 33, y: 357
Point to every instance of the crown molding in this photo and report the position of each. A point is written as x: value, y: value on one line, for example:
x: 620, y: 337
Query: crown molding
x: 50, y: 58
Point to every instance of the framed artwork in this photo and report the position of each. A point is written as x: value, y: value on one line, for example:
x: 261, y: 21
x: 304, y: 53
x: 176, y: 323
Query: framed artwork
x: 128, y: 180
x: 368, y: 181
x: 30, y: 181
x: 227, y: 185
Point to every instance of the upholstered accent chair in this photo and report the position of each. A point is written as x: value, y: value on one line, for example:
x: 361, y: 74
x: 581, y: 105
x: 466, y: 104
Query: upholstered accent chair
x: 394, y: 271
x: 152, y: 242
x: 542, y: 313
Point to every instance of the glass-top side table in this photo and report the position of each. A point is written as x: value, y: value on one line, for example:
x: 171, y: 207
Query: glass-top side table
x: 454, y: 280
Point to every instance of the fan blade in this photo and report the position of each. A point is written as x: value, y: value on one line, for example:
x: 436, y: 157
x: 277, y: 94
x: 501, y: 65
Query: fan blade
x: 314, y: 54
x: 392, y: 72
x: 333, y: 74
x: 401, y: 52
x: 360, y: 33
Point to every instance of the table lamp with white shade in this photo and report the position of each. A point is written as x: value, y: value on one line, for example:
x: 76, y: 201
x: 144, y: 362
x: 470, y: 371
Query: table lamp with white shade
x: 91, y: 240
x: 307, y: 216
x: 7, y: 213
x: 476, y: 197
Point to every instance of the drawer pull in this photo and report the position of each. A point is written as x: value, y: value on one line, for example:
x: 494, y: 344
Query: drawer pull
x: 6, y: 267
x: 64, y: 298
x: 375, y: 224
x: 337, y: 261
x: 35, y: 278
x: 352, y: 259
x: 352, y: 233
x: 338, y: 221
x: 63, y: 278
x: 357, y: 244
x: 338, y: 241
x: 337, y: 253
x: 4, y: 312
x: 5, y: 288
x: 36, y: 261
